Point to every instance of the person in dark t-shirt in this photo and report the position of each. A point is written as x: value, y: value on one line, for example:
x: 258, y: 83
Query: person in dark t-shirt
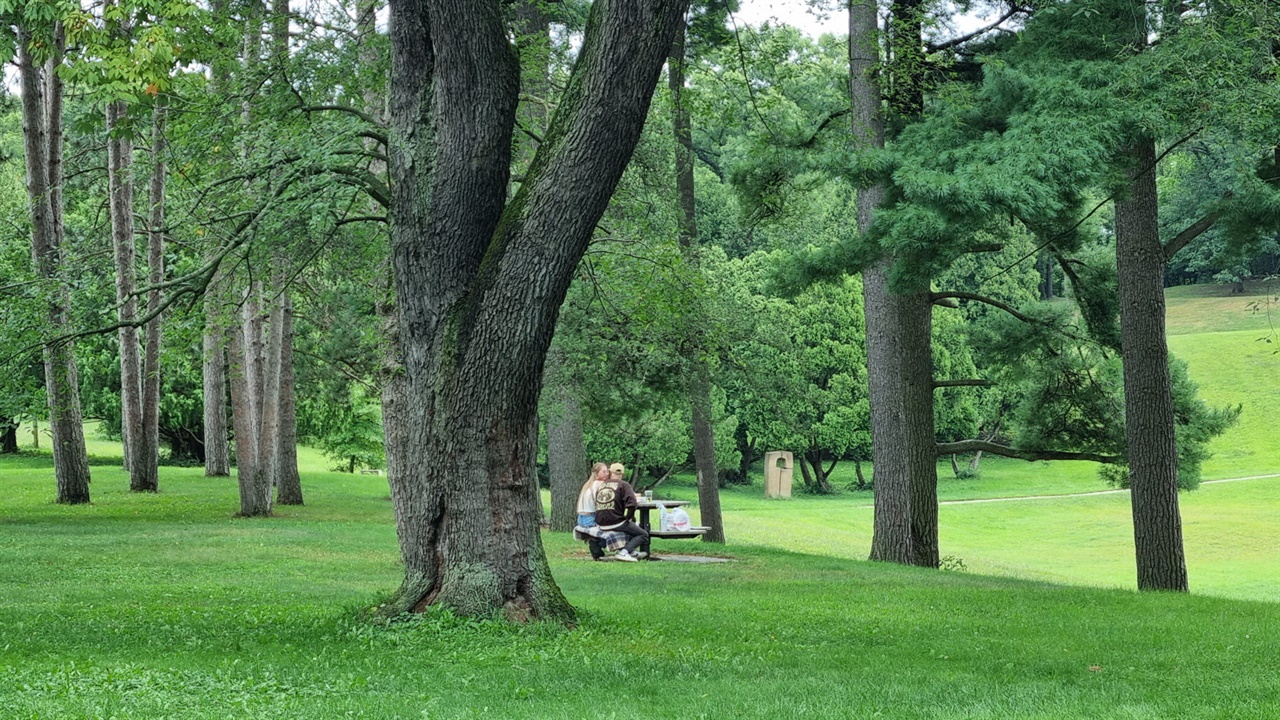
x: 616, y: 510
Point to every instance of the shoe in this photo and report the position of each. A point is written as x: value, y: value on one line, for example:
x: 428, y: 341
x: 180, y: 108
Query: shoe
x: 624, y: 556
x: 640, y: 555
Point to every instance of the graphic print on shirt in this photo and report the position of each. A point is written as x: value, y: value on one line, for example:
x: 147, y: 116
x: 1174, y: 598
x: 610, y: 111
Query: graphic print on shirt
x: 605, y: 495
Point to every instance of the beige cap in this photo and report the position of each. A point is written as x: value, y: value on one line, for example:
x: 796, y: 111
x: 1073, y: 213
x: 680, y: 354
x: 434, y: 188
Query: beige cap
x: 617, y: 468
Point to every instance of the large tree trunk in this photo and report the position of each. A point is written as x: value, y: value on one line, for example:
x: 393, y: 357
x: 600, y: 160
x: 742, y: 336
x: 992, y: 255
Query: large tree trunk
x: 480, y: 281
x: 1148, y: 398
x: 42, y: 135
x: 900, y: 383
x: 899, y: 356
x: 566, y: 451
x: 155, y: 275
x: 698, y: 375
x: 288, y: 483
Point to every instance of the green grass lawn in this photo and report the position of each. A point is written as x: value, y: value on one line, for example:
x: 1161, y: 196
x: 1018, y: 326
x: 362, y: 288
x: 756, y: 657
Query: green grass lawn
x: 165, y: 606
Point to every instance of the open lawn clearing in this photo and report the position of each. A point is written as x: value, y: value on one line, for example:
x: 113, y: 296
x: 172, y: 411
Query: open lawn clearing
x: 146, y: 606
x: 1193, y: 309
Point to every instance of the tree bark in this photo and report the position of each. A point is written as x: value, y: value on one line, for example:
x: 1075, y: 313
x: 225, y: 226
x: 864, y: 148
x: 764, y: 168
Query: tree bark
x: 479, y: 281
x: 120, y: 190
x: 899, y: 356
x: 253, y: 461
x: 269, y: 409
x: 1148, y: 397
x: 42, y: 135
x: 217, y: 449
x: 288, y: 482
x: 1045, y: 263
x: 216, y: 336
x: 8, y: 436
x: 154, y: 328
x: 566, y: 451
x: 698, y: 376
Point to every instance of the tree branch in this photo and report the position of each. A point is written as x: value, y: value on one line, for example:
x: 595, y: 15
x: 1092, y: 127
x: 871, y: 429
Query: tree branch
x: 342, y: 108
x: 968, y: 446
x: 1185, y: 237
x: 709, y: 161
x: 967, y: 382
x: 983, y: 299
x: 980, y: 31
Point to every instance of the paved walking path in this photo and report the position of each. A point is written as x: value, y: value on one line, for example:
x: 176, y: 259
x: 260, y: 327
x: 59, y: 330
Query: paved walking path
x: 1096, y: 492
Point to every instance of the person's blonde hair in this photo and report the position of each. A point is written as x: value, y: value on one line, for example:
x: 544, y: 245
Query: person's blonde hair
x: 595, y: 469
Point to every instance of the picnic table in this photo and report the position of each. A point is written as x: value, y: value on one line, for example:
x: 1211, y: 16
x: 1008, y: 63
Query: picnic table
x: 646, y: 505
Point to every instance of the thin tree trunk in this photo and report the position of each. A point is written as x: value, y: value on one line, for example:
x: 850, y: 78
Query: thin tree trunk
x: 268, y: 469
x: 217, y: 450
x: 1149, y: 420
x: 120, y: 182
x: 566, y: 450
x: 746, y: 450
x: 479, y: 281
x: 975, y: 460
x: 704, y: 453
x: 42, y: 135
x: 857, y: 469
x: 809, y: 483
x: 155, y: 267
x: 253, y: 469
x: 698, y: 375
x: 288, y: 482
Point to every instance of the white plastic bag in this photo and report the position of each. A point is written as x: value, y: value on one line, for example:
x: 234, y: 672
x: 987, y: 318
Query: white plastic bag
x: 676, y: 520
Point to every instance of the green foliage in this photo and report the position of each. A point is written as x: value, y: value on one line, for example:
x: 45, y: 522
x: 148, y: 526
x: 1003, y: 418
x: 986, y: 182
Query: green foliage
x: 797, y: 372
